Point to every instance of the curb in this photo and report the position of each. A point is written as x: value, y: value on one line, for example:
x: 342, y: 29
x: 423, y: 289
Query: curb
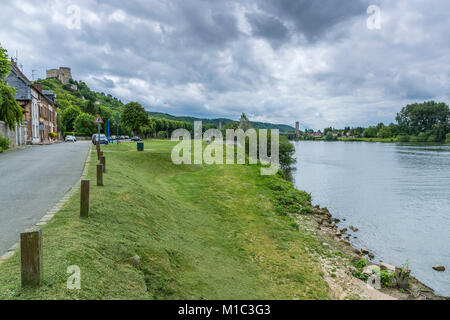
x: 55, y: 209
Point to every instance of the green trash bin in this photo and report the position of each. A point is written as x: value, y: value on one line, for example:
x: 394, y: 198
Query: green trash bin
x: 140, y: 146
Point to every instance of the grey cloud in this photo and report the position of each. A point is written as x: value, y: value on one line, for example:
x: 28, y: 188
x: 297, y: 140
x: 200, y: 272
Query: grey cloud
x: 314, y: 61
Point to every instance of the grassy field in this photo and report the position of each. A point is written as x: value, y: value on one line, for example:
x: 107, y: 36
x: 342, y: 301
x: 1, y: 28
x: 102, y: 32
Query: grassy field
x: 201, y: 232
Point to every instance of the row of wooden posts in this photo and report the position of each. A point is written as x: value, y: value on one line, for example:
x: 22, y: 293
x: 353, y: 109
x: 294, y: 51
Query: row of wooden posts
x: 31, y: 239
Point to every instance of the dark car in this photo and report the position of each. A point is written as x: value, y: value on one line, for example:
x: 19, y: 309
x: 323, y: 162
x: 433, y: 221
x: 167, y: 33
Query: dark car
x: 103, y: 139
x: 136, y: 139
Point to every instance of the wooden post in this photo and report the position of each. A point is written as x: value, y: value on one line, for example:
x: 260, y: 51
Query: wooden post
x: 84, y: 199
x: 103, y: 162
x: 100, y: 175
x: 31, y: 257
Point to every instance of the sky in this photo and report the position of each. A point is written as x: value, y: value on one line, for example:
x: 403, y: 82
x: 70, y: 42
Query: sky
x: 323, y: 63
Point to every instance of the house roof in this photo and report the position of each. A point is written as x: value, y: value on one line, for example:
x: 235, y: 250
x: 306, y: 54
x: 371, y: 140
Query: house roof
x: 20, y: 82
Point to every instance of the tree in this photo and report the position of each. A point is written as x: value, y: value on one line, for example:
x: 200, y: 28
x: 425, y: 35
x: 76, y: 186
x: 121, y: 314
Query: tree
x: 4, y: 63
x: 421, y: 117
x: 91, y: 108
x: 385, y: 132
x: 370, y: 132
x: 10, y: 111
x: 244, y: 123
x: 134, y: 116
x: 330, y: 137
x: 69, y: 116
x: 84, y: 124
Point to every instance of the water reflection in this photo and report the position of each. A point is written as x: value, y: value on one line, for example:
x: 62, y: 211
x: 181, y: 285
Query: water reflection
x: 397, y: 195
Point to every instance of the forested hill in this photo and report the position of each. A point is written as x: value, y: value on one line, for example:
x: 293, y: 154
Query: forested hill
x: 67, y: 95
x: 77, y: 94
x: 256, y: 125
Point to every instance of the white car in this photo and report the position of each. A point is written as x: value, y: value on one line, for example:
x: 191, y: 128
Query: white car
x: 71, y: 139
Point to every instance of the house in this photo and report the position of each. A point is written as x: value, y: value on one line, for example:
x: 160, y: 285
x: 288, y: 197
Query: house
x: 317, y: 134
x: 39, y: 108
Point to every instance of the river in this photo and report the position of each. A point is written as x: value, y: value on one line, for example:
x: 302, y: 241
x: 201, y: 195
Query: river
x: 397, y: 195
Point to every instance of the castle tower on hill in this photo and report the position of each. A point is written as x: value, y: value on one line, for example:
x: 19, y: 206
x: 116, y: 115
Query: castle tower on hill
x: 63, y: 74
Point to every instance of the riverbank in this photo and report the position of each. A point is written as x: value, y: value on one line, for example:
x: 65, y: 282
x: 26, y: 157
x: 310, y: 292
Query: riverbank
x: 161, y: 231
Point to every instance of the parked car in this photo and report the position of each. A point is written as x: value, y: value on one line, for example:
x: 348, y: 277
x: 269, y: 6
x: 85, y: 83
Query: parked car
x: 136, y: 139
x: 103, y: 139
x: 122, y: 137
x: 127, y: 137
x: 71, y: 139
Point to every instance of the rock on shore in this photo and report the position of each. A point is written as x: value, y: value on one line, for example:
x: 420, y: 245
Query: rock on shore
x: 439, y: 268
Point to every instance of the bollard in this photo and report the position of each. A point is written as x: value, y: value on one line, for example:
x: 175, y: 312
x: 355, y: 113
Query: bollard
x: 97, y: 146
x: 100, y: 175
x: 31, y: 257
x: 84, y: 199
x: 103, y: 162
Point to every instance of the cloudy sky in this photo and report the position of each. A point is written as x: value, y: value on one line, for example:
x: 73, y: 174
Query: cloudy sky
x: 277, y: 60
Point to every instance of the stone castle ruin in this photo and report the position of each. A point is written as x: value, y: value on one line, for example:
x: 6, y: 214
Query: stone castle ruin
x: 63, y: 74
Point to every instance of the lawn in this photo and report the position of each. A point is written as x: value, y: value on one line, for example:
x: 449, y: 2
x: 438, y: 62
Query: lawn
x: 201, y: 232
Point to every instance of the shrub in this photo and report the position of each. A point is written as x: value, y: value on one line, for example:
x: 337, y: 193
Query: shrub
x: 360, y: 264
x: 4, y: 143
x: 162, y: 134
x: 447, y: 138
x: 306, y: 210
x: 403, y: 138
x: 84, y: 124
x: 422, y: 137
x: 53, y: 135
x: 385, y: 278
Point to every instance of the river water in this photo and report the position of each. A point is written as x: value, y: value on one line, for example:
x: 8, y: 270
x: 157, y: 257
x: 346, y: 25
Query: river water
x: 397, y: 195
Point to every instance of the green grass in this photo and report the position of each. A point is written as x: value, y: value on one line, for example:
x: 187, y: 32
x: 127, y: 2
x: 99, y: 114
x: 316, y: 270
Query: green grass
x: 202, y: 232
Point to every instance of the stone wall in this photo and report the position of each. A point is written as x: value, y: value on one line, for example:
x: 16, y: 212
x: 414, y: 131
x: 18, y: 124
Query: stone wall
x: 13, y: 135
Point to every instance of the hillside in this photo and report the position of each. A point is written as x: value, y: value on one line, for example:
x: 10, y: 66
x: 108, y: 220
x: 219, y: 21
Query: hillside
x: 67, y: 96
x: 256, y: 125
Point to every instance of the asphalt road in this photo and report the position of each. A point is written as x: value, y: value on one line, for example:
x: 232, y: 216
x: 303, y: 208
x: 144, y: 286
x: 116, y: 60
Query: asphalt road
x: 32, y: 181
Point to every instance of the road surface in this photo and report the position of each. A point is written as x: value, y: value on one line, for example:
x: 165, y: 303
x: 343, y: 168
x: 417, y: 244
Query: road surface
x: 32, y: 181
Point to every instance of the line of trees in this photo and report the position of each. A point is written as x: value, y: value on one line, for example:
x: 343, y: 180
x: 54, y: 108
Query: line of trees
x: 418, y: 122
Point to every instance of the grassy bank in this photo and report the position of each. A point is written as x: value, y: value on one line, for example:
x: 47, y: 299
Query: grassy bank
x: 201, y: 232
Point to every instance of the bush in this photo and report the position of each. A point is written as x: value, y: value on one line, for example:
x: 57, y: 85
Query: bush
x: 403, y: 138
x: 53, y: 135
x: 422, y: 137
x: 84, y: 124
x: 329, y: 137
x: 447, y: 138
x: 385, y: 278
x: 162, y: 134
x: 306, y: 210
x: 4, y: 143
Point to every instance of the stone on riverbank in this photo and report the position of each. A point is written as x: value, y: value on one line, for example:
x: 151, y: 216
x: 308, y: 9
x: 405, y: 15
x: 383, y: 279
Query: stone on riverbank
x: 371, y: 269
x: 387, y: 267
x: 439, y: 268
x: 354, y: 229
